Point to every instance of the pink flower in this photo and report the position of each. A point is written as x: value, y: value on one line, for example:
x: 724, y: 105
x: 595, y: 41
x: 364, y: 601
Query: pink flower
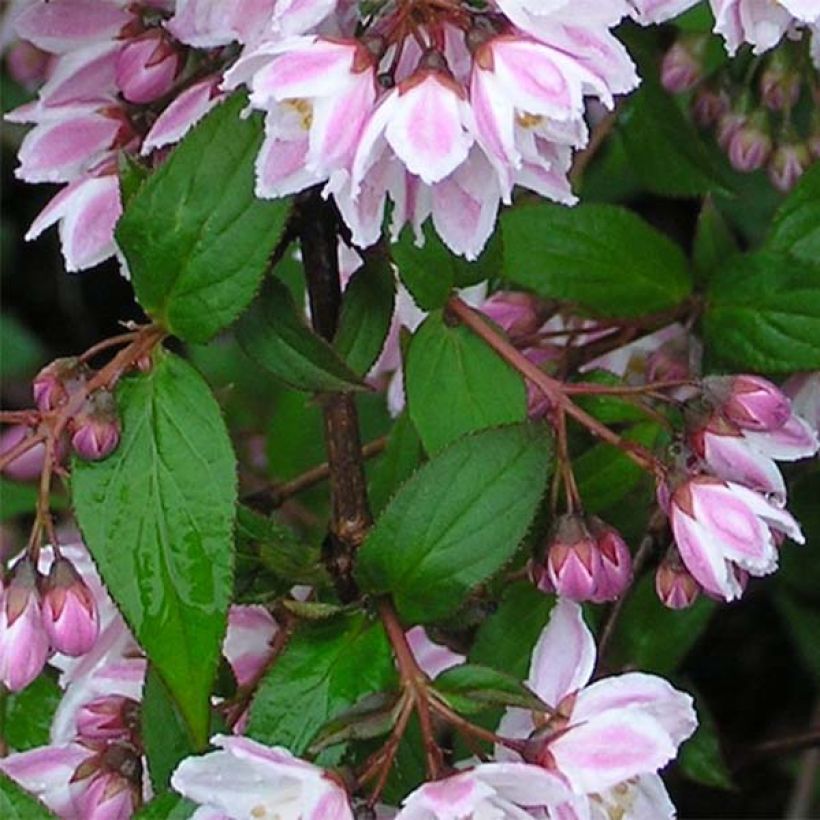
x: 69, y: 611
x: 804, y: 391
x: 658, y: 11
x: 432, y: 657
x: 491, y: 790
x: 761, y: 24
x: 604, y: 734
x: 24, y: 644
x: 787, y: 164
x: 721, y: 527
x: 750, y: 402
x: 147, y: 67
x: 247, y: 644
x: 246, y: 779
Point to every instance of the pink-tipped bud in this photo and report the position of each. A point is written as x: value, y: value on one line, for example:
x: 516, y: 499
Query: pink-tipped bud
x: 110, y: 717
x: 674, y: 584
x: 681, y: 69
x: 97, y: 428
x: 780, y: 84
x: 69, y: 612
x: 616, y: 561
x: 538, y: 405
x: 728, y: 126
x: 29, y: 465
x: 147, y: 67
x: 787, y: 164
x: 24, y: 644
x: 751, y: 147
x: 517, y: 313
x: 670, y: 362
x: 57, y: 381
x: 108, y: 785
x: 573, y: 560
x: 709, y: 106
x: 749, y: 402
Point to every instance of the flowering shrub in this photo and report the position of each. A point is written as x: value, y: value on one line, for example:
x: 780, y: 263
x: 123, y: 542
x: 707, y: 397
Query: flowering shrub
x: 472, y: 384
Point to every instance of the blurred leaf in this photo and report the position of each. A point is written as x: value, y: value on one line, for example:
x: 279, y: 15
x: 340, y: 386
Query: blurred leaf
x: 796, y: 225
x: 607, y: 409
x: 456, y: 522
x: 605, y: 258
x: 325, y: 668
x: 700, y: 758
x: 20, y: 351
x: 456, y: 384
x: 802, y: 622
x: 763, y: 314
x: 651, y: 637
x: 275, y: 335
x: 366, y: 315
x: 158, y: 517
x: 470, y: 689
x: 29, y: 714
x: 605, y: 474
x: 373, y: 716
x: 20, y: 498
x: 163, y: 731
x: 400, y: 458
x: 714, y: 243
x: 196, y: 238
x: 17, y: 804
x: 506, y: 639
x: 167, y: 806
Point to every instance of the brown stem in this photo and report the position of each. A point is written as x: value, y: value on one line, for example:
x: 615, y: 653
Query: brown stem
x: 467, y: 728
x: 28, y: 417
x: 105, y: 344
x: 591, y: 389
x: 782, y: 745
x: 350, y: 517
x: 599, y: 134
x: 553, y: 389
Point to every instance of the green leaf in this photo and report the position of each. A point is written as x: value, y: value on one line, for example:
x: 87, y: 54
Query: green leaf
x: 168, y: 806
x: 763, y: 314
x: 401, y: 457
x: 158, y: 516
x: 132, y: 175
x: 367, y: 312
x: 802, y: 622
x: 506, y: 639
x: 608, y: 409
x: 373, y: 716
x: 29, y: 714
x: 605, y: 474
x: 163, y: 731
x: 196, y: 238
x: 651, y: 637
x: 701, y: 758
x: 326, y: 667
x: 605, y: 258
x: 275, y: 335
x: 456, y: 384
x: 20, y: 498
x: 17, y: 804
x: 456, y: 522
x: 796, y: 225
x: 20, y: 350
x: 471, y: 689
x: 714, y: 243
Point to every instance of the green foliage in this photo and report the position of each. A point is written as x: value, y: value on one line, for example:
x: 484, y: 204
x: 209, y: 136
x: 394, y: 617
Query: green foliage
x: 20, y: 351
x: 455, y: 384
x: 196, y: 238
x: 367, y: 311
x: 16, y: 804
x: 456, y: 522
x: 168, y: 806
x: 714, y: 243
x: 157, y: 516
x: 796, y: 225
x: 275, y: 335
x: 326, y: 667
x: 401, y: 457
x: 29, y: 714
x: 701, y: 758
x: 604, y: 258
x: 471, y: 689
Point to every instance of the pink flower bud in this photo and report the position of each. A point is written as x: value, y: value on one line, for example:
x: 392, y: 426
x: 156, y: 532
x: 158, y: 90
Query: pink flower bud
x: 681, y: 69
x: 537, y: 403
x: 670, y: 362
x: 787, y: 164
x: 751, y: 146
x: 616, y: 561
x: 147, y: 67
x: 110, y: 717
x: 676, y: 587
x: 517, y: 313
x: 709, y: 106
x: 53, y: 385
x: 728, y: 126
x: 69, y: 612
x: 29, y: 465
x: 573, y: 560
x: 779, y: 84
x: 749, y: 402
x: 96, y: 428
x: 108, y: 785
x: 24, y: 643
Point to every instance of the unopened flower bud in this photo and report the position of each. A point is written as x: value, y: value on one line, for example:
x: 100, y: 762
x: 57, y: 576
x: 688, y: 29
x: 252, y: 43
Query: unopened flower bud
x: 147, y: 67
x: 779, y: 83
x: 573, y: 560
x: 517, y: 313
x: 96, y: 428
x: 681, y: 69
x: 110, y: 717
x: 787, y: 164
x: 728, y: 126
x: 749, y: 402
x: 751, y: 146
x: 108, y: 785
x: 24, y: 644
x: 69, y: 612
x: 616, y: 561
x: 670, y: 362
x: 676, y: 587
x: 56, y: 381
x: 709, y: 106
